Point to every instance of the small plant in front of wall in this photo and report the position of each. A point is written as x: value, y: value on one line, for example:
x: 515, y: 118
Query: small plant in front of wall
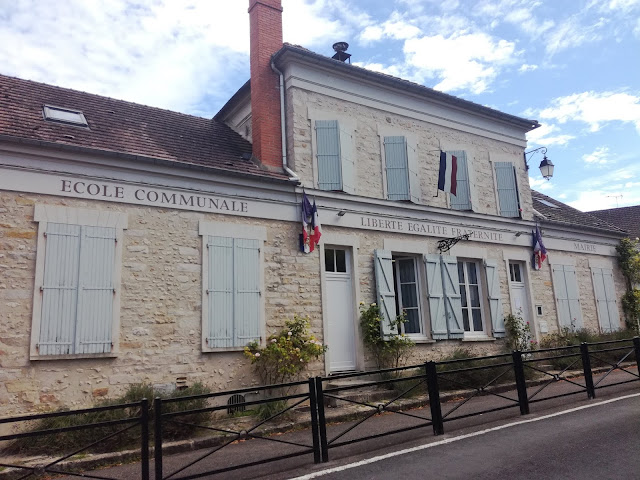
x: 519, y: 336
x: 629, y: 261
x: 286, y: 353
x: 389, y: 351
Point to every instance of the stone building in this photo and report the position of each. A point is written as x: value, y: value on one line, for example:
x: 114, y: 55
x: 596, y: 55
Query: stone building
x: 143, y: 245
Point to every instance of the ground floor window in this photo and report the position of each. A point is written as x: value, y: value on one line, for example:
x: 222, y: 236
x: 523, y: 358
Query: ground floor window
x: 405, y: 274
x: 470, y: 297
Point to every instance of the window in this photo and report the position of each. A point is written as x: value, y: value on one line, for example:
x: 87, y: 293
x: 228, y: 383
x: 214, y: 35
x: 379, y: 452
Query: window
x: 507, y: 187
x: 606, y: 299
x: 64, y: 115
x: 470, y: 293
x: 462, y: 199
x: 408, y: 294
x: 401, y: 169
x: 565, y: 287
x: 232, y: 283
x: 335, y: 260
x: 514, y: 272
x: 334, y: 160
x: 77, y: 297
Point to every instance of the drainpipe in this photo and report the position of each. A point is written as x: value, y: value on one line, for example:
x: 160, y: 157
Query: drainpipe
x: 294, y: 176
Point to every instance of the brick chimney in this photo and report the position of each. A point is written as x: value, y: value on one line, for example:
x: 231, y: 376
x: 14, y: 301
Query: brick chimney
x: 265, y: 17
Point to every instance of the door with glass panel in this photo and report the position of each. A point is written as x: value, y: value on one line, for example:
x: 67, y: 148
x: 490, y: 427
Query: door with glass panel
x: 339, y: 307
x: 517, y: 288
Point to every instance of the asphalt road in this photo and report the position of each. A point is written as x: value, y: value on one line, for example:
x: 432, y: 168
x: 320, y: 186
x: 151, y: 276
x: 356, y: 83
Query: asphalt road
x: 596, y: 441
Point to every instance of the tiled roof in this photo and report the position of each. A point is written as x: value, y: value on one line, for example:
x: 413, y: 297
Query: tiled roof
x: 567, y: 215
x: 626, y: 218
x: 124, y: 128
x: 416, y: 88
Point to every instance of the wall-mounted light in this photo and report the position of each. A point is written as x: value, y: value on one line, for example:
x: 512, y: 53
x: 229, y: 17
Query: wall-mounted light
x: 341, y: 213
x: 546, y: 166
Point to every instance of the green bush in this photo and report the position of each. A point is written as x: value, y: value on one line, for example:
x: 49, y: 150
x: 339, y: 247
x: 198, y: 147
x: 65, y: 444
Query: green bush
x: 519, y: 336
x: 391, y: 351
x: 66, y: 442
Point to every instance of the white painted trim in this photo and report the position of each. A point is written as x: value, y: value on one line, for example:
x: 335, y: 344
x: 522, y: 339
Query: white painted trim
x: 234, y: 230
x: 351, y: 242
x: 43, y: 214
x: 223, y: 229
x: 519, y: 255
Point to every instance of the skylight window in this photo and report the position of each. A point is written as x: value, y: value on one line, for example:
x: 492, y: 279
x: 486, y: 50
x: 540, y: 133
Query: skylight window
x: 546, y: 202
x: 64, y: 115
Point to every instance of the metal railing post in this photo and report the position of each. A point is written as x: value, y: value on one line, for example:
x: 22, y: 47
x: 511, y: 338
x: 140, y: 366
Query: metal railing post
x: 434, y: 398
x: 588, y: 374
x: 144, y: 434
x: 313, y: 404
x: 636, y: 347
x: 322, y: 423
x: 521, y: 382
x: 157, y: 424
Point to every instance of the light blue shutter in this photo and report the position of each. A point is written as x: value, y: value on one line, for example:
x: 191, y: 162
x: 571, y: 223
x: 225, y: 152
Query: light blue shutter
x: 573, y: 295
x: 507, y: 189
x: 495, y: 299
x: 328, y: 155
x: 606, y: 300
x: 95, y: 292
x: 414, y: 177
x: 462, y: 199
x: 220, y: 292
x: 59, y: 289
x: 562, y: 300
x: 397, y: 168
x: 386, y: 294
x: 247, y: 290
x: 453, y: 299
x: 436, y: 297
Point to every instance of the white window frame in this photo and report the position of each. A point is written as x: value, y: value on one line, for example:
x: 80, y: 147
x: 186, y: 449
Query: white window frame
x: 418, y: 275
x: 229, y: 230
x: 347, y: 148
x: 44, y: 214
x: 480, y: 273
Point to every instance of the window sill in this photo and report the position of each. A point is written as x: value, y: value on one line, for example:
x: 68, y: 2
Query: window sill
x: 478, y: 339
x: 224, y: 349
x: 38, y: 358
x: 421, y: 340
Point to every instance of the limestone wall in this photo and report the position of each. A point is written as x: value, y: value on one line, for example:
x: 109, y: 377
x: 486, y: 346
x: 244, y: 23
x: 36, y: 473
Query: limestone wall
x: 431, y: 138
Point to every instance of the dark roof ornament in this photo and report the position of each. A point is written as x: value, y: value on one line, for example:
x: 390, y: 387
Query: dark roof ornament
x: 341, y: 52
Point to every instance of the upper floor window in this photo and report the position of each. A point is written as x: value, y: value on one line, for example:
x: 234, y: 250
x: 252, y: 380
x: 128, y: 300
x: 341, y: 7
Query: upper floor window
x: 76, y: 306
x: 334, y: 161
x: 507, y: 188
x: 401, y: 169
x: 462, y: 199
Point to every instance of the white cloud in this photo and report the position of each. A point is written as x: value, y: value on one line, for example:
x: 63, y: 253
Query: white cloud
x: 540, y: 184
x: 467, y: 61
x: 311, y: 24
x: 595, y: 109
x: 600, y: 191
x: 525, y: 67
x: 599, y: 156
x: 548, y: 135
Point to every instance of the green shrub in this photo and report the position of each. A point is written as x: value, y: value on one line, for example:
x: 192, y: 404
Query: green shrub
x: 390, y: 351
x: 519, y: 335
x: 66, y: 442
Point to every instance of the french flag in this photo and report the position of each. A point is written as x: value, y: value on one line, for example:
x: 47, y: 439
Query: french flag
x: 315, y: 225
x: 448, y: 171
x: 539, y: 252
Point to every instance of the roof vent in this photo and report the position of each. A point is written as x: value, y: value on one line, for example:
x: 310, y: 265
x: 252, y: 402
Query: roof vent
x: 341, y: 52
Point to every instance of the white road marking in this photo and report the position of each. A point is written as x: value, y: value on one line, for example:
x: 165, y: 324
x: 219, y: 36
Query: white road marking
x: 455, y: 439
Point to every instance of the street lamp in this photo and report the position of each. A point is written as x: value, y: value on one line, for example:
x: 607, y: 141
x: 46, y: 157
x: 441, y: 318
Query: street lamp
x: 546, y: 166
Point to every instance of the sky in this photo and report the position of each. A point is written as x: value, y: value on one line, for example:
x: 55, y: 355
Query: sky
x: 573, y: 65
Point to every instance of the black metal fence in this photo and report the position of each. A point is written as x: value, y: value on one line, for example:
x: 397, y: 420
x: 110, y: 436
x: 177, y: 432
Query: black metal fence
x: 418, y: 396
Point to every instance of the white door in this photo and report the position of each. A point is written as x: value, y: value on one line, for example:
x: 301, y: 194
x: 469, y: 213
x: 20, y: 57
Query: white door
x: 339, y: 310
x: 519, y: 303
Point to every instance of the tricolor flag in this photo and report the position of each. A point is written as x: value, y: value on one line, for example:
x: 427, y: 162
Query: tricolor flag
x: 306, y: 245
x: 539, y: 252
x: 315, y: 224
x: 448, y: 172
